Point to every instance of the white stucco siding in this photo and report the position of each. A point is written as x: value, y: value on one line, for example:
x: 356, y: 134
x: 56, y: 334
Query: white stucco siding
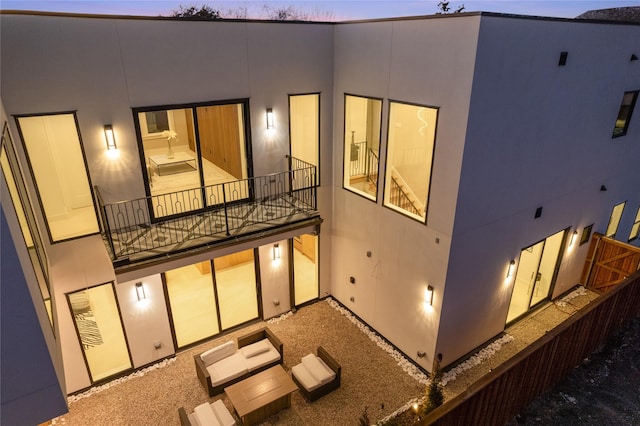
x: 539, y: 135
x: 428, y: 62
x: 104, y: 67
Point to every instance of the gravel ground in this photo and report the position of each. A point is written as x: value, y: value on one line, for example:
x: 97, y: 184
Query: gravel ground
x: 371, y: 378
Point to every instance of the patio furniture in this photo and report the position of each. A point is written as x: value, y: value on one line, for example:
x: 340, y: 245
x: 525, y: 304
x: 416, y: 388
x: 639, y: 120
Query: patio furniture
x: 214, y: 414
x: 224, y: 365
x: 261, y: 395
x: 318, y: 375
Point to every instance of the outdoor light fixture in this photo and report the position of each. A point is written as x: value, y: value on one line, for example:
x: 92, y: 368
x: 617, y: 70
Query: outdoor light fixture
x: 269, y: 118
x: 109, y: 137
x: 428, y: 296
x: 140, y: 291
x: 276, y: 251
x: 574, y: 236
x: 512, y: 266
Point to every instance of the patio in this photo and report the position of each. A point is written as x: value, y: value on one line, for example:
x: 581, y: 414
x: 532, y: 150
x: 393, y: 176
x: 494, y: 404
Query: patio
x: 374, y: 376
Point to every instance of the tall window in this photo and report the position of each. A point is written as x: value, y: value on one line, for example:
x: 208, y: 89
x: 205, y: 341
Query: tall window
x: 24, y: 211
x: 99, y: 326
x: 410, y: 147
x: 304, y: 127
x: 624, y: 115
x: 614, y: 220
x: 362, y: 118
x: 635, y: 228
x: 57, y: 162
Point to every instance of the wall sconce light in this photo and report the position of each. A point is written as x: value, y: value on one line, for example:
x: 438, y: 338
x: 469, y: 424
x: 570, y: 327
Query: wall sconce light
x: 574, y: 236
x: 512, y: 267
x: 276, y: 251
x: 428, y: 296
x: 109, y: 137
x: 269, y: 118
x: 140, y: 291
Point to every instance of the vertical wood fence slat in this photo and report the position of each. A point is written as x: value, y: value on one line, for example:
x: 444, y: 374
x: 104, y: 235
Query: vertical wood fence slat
x: 509, y: 388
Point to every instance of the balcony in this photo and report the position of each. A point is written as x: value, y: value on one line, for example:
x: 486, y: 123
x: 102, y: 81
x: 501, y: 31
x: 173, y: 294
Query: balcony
x: 176, y: 222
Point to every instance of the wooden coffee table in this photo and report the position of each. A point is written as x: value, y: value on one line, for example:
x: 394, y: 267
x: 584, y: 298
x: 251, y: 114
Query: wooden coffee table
x: 261, y: 395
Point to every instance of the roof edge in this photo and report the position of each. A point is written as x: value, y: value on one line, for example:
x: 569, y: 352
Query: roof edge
x: 358, y: 21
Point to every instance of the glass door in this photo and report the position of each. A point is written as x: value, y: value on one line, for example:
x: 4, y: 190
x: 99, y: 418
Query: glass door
x: 170, y: 154
x: 305, y: 268
x: 537, y: 269
x: 97, y: 320
x: 235, y: 276
x: 221, y: 136
x: 192, y: 303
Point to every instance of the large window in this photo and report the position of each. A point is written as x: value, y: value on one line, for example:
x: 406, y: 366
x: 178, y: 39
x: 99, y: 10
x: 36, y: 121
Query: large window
x: 624, y: 115
x: 57, y: 162
x: 635, y: 228
x: 362, y: 118
x: 24, y: 211
x: 614, y: 220
x: 99, y: 326
x: 304, y: 127
x: 410, y: 147
x: 187, y: 148
x: 305, y: 268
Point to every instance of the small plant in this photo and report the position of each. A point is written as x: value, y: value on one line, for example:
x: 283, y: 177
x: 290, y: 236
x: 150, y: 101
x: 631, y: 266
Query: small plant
x: 364, y: 418
x: 435, y: 395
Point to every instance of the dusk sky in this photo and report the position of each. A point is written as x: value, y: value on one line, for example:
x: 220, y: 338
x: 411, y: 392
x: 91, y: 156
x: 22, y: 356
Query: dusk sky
x: 333, y: 10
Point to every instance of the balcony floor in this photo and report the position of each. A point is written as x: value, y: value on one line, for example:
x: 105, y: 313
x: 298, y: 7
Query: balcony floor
x: 206, y: 228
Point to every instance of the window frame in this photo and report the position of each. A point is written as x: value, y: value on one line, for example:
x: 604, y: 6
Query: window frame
x: 635, y: 227
x: 141, y: 136
x: 433, y: 153
x: 611, y: 218
x: 85, y: 163
x: 624, y: 113
x: 586, y: 234
x: 25, y: 203
x: 375, y: 197
x: 319, y: 146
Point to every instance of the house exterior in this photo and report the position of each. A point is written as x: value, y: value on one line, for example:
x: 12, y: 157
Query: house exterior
x: 439, y: 176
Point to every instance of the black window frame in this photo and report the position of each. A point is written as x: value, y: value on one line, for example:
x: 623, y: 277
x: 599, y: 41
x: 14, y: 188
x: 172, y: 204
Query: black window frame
x: 624, y: 113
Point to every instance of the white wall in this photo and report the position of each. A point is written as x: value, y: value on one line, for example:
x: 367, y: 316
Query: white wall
x: 409, y: 61
x: 103, y: 67
x: 539, y: 135
x: 146, y: 322
x: 274, y: 279
x: 76, y: 265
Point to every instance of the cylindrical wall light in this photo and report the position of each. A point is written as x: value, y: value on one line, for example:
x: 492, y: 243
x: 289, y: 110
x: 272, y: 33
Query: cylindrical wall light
x: 512, y: 267
x: 428, y: 296
x: 269, y: 118
x: 276, y: 251
x: 140, y: 291
x: 109, y: 137
x: 574, y: 237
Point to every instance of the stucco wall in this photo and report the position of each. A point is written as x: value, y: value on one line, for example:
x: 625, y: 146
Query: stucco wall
x: 539, y: 135
x: 103, y: 67
x: 424, y: 61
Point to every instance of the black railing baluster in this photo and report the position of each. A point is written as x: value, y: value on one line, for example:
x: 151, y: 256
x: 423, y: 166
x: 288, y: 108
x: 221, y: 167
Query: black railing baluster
x: 226, y: 215
x: 162, y: 220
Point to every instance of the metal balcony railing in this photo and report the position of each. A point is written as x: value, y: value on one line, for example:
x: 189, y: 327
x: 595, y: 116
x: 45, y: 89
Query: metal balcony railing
x: 176, y: 221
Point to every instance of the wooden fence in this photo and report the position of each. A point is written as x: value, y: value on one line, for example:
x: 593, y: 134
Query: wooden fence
x: 608, y: 263
x: 503, y: 393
